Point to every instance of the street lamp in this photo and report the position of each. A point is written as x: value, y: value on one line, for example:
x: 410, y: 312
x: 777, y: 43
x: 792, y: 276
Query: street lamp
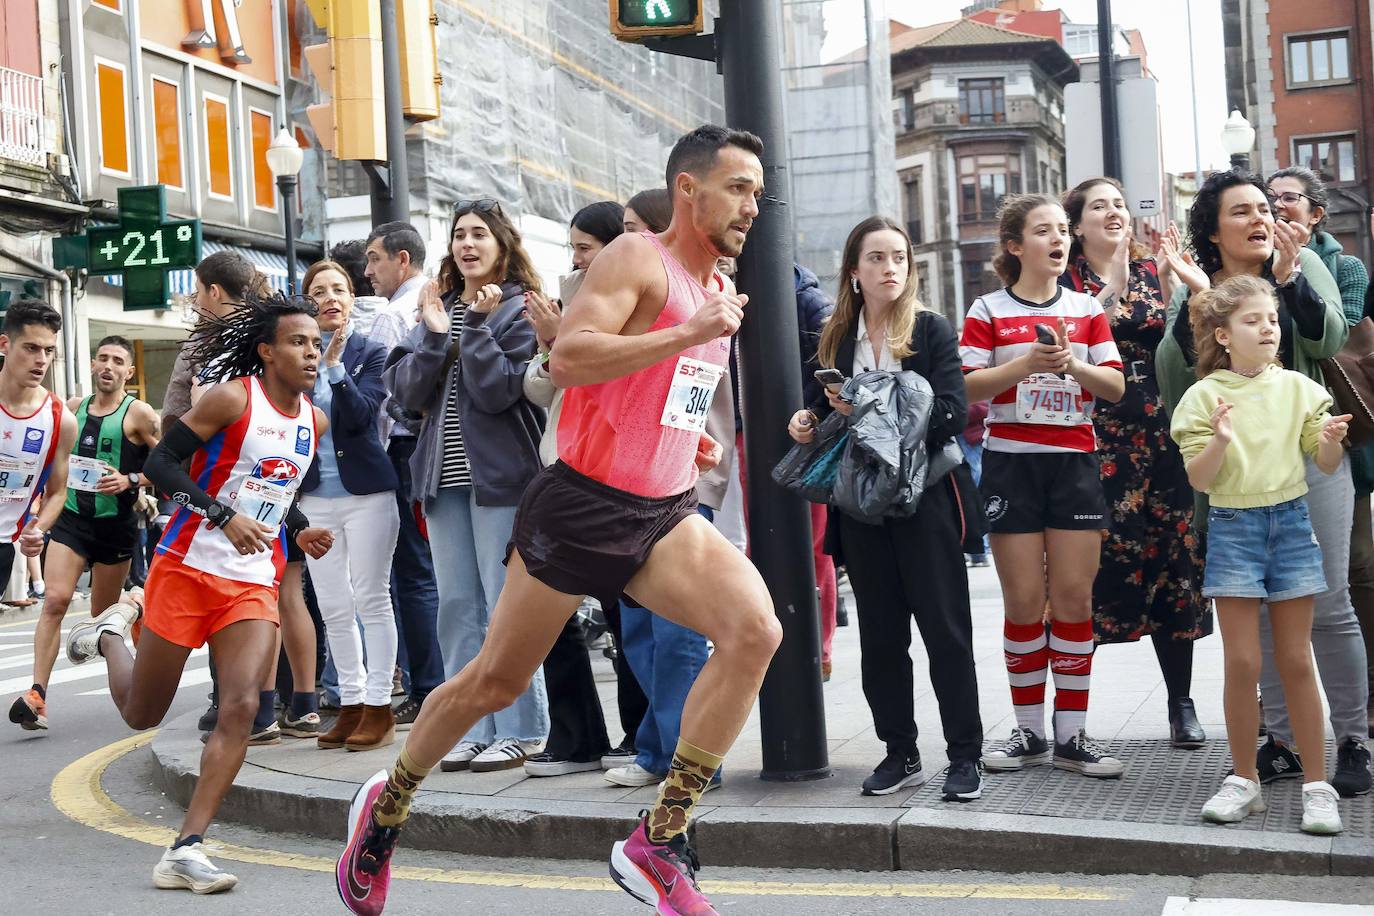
x: 284, y: 158
x: 1238, y: 138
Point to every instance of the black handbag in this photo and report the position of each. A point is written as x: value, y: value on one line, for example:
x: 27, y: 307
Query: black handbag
x: 809, y: 468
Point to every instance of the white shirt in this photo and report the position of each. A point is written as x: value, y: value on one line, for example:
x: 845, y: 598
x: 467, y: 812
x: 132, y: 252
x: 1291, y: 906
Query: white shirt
x: 863, y: 353
x: 391, y: 326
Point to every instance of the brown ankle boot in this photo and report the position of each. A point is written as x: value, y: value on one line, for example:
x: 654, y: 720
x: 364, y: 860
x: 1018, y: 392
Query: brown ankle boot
x: 377, y: 729
x: 345, y: 725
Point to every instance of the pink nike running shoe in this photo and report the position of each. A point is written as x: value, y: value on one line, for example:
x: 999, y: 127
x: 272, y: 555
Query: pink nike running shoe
x: 364, y: 869
x: 663, y: 876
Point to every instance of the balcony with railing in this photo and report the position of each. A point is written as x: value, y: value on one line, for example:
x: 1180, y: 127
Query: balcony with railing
x: 21, y: 117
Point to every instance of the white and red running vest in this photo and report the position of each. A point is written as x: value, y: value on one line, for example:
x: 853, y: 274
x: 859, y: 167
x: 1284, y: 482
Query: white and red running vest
x: 27, y: 447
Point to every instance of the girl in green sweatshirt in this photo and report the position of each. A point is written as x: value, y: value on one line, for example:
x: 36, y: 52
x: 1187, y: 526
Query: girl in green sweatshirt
x: 1243, y: 429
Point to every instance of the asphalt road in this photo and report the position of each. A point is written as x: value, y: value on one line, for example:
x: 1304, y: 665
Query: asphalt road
x: 53, y: 864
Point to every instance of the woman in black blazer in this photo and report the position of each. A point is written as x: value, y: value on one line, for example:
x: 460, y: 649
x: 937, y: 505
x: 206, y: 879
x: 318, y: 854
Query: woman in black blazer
x: 906, y: 566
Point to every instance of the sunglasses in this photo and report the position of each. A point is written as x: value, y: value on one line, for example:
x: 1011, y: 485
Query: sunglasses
x: 481, y: 205
x: 1290, y: 198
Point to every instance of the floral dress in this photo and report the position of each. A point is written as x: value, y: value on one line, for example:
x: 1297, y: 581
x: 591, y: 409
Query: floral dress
x: 1150, y: 580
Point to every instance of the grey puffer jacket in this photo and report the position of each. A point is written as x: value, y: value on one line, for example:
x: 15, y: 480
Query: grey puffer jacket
x: 501, y: 428
x: 887, y: 464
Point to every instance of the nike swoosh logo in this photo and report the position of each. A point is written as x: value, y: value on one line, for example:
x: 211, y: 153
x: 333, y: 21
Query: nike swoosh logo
x: 358, y: 891
x: 658, y: 873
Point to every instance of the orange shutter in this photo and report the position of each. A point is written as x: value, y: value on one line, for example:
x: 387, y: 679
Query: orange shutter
x: 108, y: 4
x: 114, y: 132
x: 263, y: 192
x: 217, y: 147
x: 167, y: 132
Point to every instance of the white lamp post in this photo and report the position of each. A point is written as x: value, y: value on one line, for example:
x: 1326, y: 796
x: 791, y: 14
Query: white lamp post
x: 284, y: 159
x: 1238, y: 138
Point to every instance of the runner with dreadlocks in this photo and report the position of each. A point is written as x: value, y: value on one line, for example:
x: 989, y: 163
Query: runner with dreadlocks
x: 250, y: 440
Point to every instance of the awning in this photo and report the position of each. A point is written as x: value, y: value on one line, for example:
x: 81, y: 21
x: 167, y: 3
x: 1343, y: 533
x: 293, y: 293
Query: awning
x: 183, y: 282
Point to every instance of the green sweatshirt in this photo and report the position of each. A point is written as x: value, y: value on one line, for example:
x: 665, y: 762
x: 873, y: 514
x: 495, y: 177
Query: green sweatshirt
x: 1277, y: 418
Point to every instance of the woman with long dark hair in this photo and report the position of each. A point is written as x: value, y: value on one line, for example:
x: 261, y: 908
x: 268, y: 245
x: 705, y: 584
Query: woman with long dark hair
x: 463, y: 366
x: 1149, y: 583
x: 912, y: 566
x: 1232, y: 231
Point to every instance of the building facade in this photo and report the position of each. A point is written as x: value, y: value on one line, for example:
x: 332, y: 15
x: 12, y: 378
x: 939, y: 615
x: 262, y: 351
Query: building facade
x: 186, y: 94
x: 1301, y: 74
x: 38, y: 198
x: 979, y: 113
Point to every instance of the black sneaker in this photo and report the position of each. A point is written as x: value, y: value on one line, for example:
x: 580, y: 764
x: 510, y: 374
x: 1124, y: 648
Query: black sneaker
x: 1023, y: 749
x: 208, y: 719
x: 1352, y: 769
x: 406, y: 713
x: 898, y: 770
x: 1081, y: 754
x: 621, y: 755
x: 963, y: 781
x: 1274, y: 761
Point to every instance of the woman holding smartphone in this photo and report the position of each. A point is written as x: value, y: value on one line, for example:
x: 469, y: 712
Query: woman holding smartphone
x: 912, y: 566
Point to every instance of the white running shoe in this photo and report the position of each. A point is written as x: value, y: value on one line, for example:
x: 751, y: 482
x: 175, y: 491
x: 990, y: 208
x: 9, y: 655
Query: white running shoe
x: 504, y: 754
x: 188, y: 867
x: 1319, y: 811
x: 632, y: 776
x: 460, y: 758
x: 1237, y: 798
x: 83, y: 642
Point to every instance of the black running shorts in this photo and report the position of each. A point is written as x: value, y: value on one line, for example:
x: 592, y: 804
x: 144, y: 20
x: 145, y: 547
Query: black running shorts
x: 581, y: 537
x: 1027, y: 492
x: 107, y: 541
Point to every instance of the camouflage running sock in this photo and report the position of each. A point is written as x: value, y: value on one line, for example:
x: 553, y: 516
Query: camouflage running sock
x: 393, y: 805
x: 688, y: 777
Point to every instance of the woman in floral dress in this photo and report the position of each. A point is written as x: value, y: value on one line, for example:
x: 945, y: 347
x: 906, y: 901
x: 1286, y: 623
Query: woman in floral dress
x: 1149, y: 583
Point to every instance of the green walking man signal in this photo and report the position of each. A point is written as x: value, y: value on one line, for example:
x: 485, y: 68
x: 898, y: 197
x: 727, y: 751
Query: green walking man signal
x: 632, y: 20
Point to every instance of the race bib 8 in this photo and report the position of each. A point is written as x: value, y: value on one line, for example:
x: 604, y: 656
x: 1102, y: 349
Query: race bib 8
x: 84, y: 473
x: 689, y: 398
x: 16, y: 478
x: 1050, y: 400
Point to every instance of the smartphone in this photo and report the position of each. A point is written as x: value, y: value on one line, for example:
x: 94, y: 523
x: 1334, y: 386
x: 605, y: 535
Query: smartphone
x: 832, y: 379
x: 1045, y: 334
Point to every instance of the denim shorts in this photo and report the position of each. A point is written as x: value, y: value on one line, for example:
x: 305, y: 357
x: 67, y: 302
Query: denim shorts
x: 1269, y: 552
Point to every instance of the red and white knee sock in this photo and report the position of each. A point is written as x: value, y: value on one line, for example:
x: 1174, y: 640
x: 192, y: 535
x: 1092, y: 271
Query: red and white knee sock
x: 1071, y: 659
x: 1027, y: 656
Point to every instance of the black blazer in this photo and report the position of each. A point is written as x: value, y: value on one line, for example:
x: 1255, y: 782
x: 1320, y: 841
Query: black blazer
x: 363, y: 464
x: 934, y: 357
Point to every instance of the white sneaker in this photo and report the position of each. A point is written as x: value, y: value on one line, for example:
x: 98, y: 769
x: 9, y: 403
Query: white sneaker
x: 460, y: 758
x: 1237, y: 798
x: 83, y: 642
x: 189, y: 868
x: 505, y: 754
x: 1319, y: 811
x: 632, y: 776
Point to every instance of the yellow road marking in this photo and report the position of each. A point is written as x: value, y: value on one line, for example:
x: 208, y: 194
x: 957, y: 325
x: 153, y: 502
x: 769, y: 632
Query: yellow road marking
x: 77, y: 793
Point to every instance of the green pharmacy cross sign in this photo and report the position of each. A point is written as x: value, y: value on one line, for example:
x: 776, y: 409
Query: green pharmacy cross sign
x: 143, y: 247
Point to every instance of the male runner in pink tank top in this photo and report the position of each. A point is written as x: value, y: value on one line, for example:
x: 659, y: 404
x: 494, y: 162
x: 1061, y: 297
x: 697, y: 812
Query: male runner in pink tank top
x: 639, y: 352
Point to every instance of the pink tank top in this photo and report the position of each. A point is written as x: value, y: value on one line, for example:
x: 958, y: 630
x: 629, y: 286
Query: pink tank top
x: 615, y: 431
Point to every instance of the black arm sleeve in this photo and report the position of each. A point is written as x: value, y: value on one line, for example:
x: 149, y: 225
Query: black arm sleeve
x: 164, y: 468
x: 1306, y: 306
x: 296, y: 522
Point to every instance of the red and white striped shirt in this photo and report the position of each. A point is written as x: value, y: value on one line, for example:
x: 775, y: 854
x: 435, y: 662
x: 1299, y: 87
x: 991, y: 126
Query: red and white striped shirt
x: 999, y: 327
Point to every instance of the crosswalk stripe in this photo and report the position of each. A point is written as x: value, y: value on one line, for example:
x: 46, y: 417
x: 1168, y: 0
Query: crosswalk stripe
x: 16, y: 661
x: 92, y: 669
x: 1182, y: 906
x: 188, y: 679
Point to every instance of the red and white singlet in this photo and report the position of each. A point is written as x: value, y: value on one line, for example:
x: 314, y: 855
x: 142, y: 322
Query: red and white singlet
x: 27, y: 447
x: 255, y: 466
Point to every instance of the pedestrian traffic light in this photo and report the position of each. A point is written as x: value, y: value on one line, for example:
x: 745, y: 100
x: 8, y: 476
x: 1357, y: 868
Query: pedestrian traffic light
x: 632, y: 20
x: 350, y: 119
x: 420, y: 77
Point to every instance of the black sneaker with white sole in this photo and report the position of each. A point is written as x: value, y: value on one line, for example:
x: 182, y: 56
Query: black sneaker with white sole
x: 1023, y: 749
x: 1081, y: 754
x: 1274, y: 761
x: 406, y: 713
x: 898, y: 770
x: 1352, y: 776
x: 550, y: 765
x: 963, y: 781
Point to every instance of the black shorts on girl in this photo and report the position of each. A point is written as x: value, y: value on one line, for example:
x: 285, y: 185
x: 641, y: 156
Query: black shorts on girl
x: 1027, y: 492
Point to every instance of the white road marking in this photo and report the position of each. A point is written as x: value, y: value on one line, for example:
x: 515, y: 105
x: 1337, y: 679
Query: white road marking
x: 1225, y: 906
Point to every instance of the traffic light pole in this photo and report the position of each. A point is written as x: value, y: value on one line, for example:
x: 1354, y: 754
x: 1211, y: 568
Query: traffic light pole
x: 391, y: 182
x: 1106, y: 85
x: 791, y: 705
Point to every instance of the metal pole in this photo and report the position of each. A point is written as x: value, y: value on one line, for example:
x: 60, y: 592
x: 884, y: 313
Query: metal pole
x: 286, y: 189
x: 391, y: 200
x: 1106, y: 85
x: 1192, y: 81
x: 791, y: 708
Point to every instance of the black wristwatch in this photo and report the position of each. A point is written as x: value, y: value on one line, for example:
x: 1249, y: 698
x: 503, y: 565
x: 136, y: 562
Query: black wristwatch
x: 135, y: 478
x: 218, y: 515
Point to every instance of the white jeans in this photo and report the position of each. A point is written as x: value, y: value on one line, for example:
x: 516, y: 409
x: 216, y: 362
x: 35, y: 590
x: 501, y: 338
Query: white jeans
x: 353, y: 583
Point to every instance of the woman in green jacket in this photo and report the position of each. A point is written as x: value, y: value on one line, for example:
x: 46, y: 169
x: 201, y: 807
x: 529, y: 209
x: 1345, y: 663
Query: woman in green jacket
x: 1233, y: 231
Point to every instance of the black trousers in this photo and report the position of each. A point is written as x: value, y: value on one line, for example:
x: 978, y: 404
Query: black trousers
x: 631, y: 702
x: 915, y: 567
x: 577, y: 727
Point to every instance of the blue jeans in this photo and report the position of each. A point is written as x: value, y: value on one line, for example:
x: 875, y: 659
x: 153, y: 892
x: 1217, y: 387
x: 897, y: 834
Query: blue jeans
x: 665, y: 659
x: 1269, y: 552
x: 414, y: 595
x: 973, y: 454
x: 468, y: 544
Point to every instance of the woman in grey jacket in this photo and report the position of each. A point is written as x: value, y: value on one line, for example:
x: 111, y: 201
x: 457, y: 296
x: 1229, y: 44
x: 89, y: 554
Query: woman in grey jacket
x: 464, y: 367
